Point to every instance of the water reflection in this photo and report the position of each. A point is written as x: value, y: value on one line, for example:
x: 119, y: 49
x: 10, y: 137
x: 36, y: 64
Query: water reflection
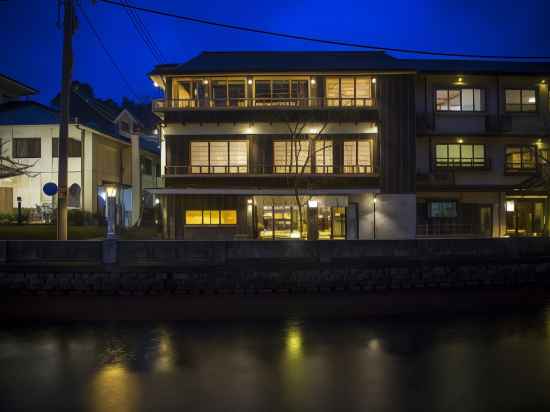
x: 114, y: 388
x: 451, y: 364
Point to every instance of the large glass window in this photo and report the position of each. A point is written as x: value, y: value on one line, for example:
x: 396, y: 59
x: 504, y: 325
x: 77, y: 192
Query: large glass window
x: 219, y: 156
x: 27, y: 147
x: 521, y: 100
x: 520, y: 158
x: 358, y: 156
x: 286, y: 92
x: 74, y: 147
x: 291, y: 156
x: 210, y: 217
x: 460, y: 100
x: 323, y: 156
x: 349, y: 91
x: 228, y: 93
x: 460, y: 155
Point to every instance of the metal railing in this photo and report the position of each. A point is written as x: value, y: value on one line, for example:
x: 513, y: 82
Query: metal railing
x: 261, y: 102
x: 264, y: 169
x: 474, y: 163
x: 451, y: 229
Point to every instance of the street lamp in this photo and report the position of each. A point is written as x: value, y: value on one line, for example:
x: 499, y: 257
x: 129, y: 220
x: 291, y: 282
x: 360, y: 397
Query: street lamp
x: 111, y: 211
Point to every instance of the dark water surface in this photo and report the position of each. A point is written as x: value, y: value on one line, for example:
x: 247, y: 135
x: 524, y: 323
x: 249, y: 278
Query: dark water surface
x: 488, y: 362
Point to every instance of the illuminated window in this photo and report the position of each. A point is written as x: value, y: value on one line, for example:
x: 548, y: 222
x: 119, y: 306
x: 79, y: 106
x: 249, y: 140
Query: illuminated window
x: 287, y: 92
x: 210, y: 217
x: 520, y: 158
x: 193, y: 217
x: 229, y: 217
x: 460, y: 155
x: 219, y: 156
x: 358, y: 156
x: 460, y: 100
x: 521, y: 100
x: 228, y: 92
x: 323, y: 156
x: 291, y: 156
x: 349, y: 91
x: 443, y: 209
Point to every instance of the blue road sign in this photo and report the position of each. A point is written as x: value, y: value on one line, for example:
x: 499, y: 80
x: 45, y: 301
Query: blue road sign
x: 50, y: 189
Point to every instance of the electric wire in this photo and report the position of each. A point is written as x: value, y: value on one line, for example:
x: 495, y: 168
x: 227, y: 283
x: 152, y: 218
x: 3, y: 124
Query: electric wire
x: 321, y: 40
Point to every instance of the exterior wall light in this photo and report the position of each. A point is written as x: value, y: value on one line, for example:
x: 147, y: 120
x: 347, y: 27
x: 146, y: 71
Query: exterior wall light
x: 460, y: 79
x: 157, y: 201
x: 460, y: 141
x: 374, y: 80
x: 111, y: 191
x: 155, y: 84
x: 312, y: 204
x: 510, y: 205
x: 249, y: 81
x: 205, y: 81
x: 249, y: 201
x: 313, y: 81
x: 543, y: 81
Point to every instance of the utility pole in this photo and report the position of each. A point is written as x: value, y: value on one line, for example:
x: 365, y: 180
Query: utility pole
x: 69, y: 26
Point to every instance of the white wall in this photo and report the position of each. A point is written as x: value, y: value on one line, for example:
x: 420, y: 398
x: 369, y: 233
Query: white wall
x: 45, y: 168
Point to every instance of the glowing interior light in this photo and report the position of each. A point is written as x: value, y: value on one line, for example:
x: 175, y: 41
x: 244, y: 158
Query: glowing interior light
x: 532, y: 100
x: 312, y: 203
x: 510, y: 205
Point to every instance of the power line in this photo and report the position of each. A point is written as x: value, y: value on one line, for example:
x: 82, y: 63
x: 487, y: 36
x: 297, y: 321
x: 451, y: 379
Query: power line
x: 143, y: 32
x: 147, y: 33
x: 320, y: 40
x: 109, y: 55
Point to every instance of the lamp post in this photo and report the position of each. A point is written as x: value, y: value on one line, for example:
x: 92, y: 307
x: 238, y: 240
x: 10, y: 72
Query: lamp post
x: 111, y: 211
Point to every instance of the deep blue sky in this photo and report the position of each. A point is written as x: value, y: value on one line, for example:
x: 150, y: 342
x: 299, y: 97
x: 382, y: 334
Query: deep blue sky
x: 31, y: 43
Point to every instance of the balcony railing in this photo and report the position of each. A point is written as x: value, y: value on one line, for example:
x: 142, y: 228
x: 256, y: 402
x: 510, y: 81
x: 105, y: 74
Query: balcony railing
x: 261, y: 103
x: 475, y: 163
x: 262, y: 169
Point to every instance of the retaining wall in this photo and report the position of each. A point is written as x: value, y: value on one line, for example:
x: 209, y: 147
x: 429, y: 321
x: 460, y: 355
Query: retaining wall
x: 195, y: 267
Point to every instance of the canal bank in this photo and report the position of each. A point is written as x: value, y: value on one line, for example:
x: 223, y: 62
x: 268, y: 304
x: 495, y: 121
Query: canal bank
x: 182, y: 279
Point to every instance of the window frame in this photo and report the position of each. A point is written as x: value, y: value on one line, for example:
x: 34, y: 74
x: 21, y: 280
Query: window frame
x: 485, y: 166
x: 521, y: 104
x: 211, y: 168
x: 288, y: 168
x: 366, y: 101
x: 26, y: 139
x: 483, y: 99
x: 54, y: 146
x: 357, y: 166
x: 219, y: 214
x: 520, y: 170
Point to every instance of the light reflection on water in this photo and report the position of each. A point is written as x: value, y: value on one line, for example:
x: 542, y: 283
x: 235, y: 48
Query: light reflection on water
x: 471, y: 362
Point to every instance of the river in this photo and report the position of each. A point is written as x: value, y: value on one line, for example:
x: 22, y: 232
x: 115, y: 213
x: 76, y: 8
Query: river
x: 496, y: 361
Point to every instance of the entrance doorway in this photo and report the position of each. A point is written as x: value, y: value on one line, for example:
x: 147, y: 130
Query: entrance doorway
x: 525, y: 217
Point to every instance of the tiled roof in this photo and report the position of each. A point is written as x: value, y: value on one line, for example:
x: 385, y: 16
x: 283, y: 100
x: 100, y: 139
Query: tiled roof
x: 249, y: 62
x: 34, y: 113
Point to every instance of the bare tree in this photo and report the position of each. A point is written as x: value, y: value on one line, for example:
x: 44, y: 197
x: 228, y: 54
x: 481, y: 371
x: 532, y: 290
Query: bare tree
x: 300, y: 166
x: 12, y: 168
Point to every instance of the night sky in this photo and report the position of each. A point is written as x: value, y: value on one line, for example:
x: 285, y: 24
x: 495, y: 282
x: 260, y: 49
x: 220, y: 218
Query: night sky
x: 31, y: 42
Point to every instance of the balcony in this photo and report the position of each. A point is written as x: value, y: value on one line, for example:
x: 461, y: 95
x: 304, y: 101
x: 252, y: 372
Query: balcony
x: 278, y: 170
x: 163, y: 105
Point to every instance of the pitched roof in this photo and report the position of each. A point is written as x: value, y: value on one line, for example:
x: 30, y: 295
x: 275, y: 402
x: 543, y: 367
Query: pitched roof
x: 249, y: 61
x: 15, y: 88
x: 27, y: 113
x: 33, y: 113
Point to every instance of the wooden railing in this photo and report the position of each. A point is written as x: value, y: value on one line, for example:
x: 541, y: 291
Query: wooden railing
x: 267, y: 103
x: 264, y: 169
